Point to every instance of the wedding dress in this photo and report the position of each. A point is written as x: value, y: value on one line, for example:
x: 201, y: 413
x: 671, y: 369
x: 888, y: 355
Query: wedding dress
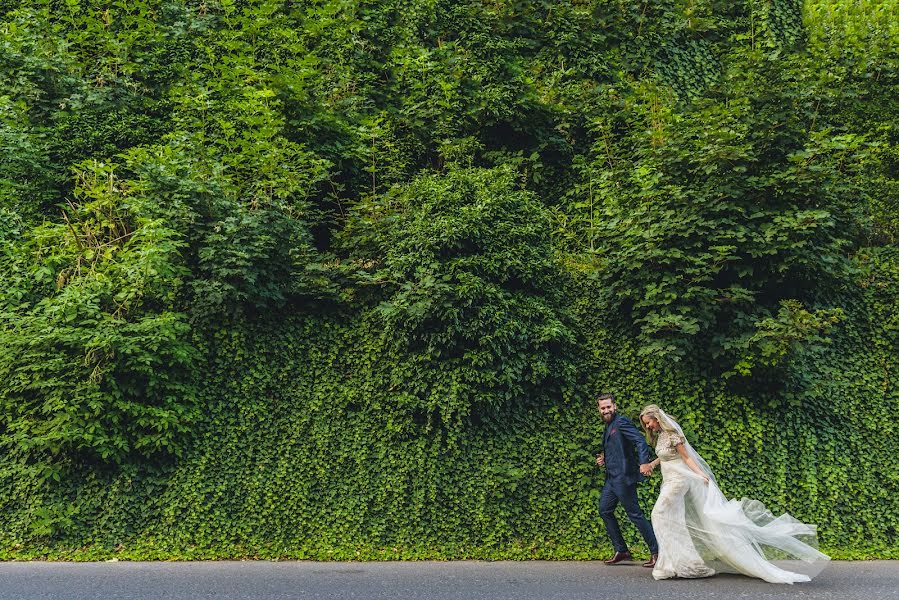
x: 701, y: 532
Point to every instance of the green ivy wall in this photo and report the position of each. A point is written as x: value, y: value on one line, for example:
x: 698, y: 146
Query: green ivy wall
x: 340, y: 279
x: 304, y: 453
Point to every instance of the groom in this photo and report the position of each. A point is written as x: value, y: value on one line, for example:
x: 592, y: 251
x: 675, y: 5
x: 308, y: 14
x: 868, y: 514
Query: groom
x: 619, y: 441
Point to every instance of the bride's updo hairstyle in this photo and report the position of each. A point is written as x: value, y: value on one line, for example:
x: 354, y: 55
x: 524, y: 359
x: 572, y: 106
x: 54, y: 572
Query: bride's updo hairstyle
x: 653, y: 412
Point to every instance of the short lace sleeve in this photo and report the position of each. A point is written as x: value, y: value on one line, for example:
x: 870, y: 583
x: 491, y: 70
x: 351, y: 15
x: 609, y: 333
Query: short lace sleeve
x: 672, y: 439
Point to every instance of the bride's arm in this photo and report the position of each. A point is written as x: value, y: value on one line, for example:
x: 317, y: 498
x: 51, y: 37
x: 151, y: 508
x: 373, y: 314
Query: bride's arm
x: 682, y: 450
x: 649, y: 467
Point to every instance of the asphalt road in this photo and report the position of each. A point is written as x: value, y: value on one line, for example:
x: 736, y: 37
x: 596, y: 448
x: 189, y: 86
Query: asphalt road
x: 259, y: 580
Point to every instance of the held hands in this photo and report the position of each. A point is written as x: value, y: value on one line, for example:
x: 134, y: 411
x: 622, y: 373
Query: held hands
x: 646, y: 469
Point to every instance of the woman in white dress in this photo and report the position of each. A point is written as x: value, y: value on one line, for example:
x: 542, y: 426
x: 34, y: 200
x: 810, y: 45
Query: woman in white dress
x: 700, y: 532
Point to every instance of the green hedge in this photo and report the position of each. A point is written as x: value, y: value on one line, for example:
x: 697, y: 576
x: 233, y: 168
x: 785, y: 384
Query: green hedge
x: 340, y: 278
x: 305, y: 452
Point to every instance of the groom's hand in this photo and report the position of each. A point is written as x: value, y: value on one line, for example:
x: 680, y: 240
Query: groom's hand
x: 601, y: 460
x: 646, y: 469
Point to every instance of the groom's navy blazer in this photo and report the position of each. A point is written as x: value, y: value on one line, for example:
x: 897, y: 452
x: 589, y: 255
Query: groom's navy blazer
x: 619, y: 440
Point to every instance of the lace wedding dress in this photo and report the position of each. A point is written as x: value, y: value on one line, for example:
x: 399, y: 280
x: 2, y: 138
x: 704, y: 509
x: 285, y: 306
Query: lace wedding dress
x: 700, y: 532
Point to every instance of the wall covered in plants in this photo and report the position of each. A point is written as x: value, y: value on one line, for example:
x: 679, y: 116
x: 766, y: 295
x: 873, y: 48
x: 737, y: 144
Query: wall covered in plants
x: 340, y: 279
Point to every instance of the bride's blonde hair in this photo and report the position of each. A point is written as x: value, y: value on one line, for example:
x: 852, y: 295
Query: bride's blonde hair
x: 654, y: 412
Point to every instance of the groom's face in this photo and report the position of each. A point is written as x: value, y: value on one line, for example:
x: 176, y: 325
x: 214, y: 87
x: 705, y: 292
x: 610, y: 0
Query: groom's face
x: 607, y: 409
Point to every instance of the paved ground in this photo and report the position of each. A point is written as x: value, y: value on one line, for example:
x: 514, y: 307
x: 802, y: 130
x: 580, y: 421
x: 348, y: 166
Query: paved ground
x: 873, y: 580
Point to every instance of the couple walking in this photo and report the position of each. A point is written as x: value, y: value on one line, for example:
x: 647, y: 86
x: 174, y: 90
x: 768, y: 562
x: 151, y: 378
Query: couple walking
x: 695, y: 530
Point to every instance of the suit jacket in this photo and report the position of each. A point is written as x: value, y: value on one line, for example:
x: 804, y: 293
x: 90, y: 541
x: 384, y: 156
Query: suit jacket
x: 625, y: 449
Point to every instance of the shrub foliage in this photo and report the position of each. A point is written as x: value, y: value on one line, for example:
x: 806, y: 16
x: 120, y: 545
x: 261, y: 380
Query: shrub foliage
x: 339, y: 279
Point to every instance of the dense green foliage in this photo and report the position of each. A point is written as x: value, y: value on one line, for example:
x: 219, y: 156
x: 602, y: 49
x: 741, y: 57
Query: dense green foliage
x: 339, y: 279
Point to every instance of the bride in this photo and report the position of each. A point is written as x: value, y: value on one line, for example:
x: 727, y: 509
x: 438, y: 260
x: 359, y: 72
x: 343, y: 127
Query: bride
x: 700, y: 532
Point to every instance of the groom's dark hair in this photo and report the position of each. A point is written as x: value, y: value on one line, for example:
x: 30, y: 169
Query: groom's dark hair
x: 605, y: 396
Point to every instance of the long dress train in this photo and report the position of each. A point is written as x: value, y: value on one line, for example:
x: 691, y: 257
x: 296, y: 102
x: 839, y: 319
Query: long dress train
x: 701, y: 532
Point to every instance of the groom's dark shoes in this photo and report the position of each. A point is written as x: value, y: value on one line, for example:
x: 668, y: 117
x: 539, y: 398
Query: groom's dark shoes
x: 619, y: 556
x: 652, y: 561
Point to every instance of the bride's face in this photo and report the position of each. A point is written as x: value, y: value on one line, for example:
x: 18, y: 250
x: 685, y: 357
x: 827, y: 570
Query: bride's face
x: 650, y: 423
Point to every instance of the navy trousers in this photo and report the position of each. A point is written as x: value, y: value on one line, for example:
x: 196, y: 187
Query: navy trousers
x: 614, y: 492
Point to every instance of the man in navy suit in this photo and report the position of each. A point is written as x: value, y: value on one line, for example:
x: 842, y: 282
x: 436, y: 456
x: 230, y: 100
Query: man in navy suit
x: 620, y: 441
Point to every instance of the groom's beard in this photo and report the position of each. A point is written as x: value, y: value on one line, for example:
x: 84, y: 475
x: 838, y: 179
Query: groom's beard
x: 608, y: 418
